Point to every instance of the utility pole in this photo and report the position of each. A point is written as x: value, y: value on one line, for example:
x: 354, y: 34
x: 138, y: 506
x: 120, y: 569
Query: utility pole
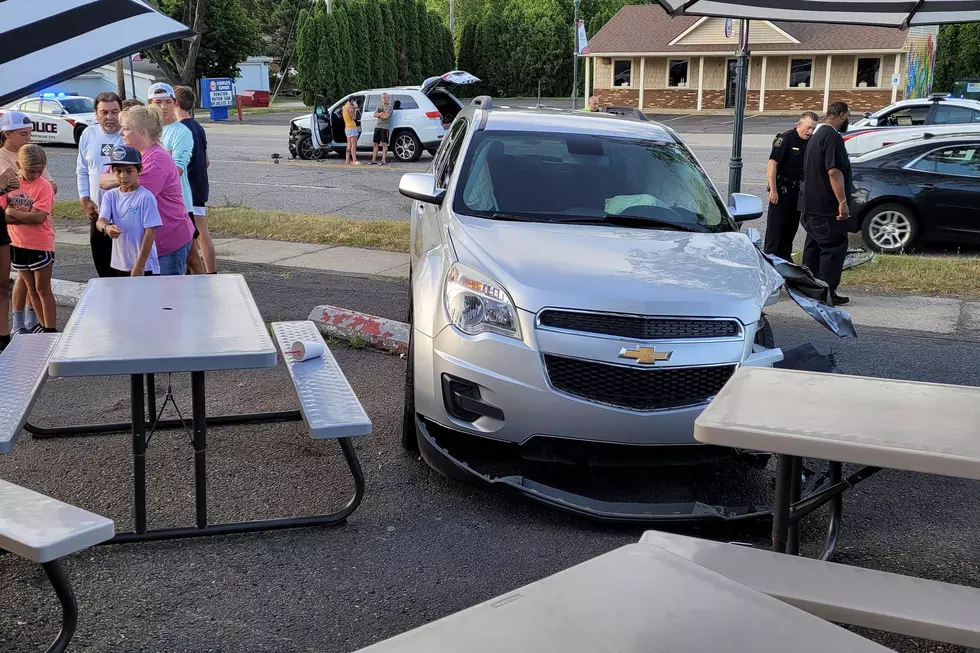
x: 132, y: 76
x: 120, y: 79
x: 575, y: 60
x: 452, y: 17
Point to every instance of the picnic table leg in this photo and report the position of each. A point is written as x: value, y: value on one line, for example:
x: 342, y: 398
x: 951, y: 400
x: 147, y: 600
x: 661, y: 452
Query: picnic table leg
x: 200, y: 447
x: 151, y: 397
x: 69, y: 609
x: 795, y: 488
x: 836, y: 508
x: 139, y: 452
x: 781, y: 504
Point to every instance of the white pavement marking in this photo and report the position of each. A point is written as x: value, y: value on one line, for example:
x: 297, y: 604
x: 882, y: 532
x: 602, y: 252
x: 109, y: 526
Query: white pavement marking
x: 926, y: 314
x: 256, y: 183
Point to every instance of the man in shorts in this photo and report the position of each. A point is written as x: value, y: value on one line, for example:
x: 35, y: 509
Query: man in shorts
x: 197, y: 173
x: 382, y: 129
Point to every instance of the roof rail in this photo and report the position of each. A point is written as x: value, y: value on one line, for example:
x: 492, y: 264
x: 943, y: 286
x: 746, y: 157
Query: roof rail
x: 627, y: 112
x: 483, y: 101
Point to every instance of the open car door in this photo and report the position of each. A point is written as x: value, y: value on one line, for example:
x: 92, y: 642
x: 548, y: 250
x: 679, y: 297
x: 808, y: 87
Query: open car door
x: 320, y: 123
x: 452, y: 78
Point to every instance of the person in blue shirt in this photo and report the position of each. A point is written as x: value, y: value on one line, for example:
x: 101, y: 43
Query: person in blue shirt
x: 197, y: 172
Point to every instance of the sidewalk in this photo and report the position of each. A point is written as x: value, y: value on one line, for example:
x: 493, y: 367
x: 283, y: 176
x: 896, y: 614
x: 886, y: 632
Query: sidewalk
x: 328, y: 258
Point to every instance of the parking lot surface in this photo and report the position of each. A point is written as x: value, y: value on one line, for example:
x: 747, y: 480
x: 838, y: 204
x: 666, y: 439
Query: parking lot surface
x: 421, y: 546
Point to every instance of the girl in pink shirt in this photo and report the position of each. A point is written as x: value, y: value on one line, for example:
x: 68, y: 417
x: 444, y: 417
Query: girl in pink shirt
x: 142, y: 128
x: 27, y: 212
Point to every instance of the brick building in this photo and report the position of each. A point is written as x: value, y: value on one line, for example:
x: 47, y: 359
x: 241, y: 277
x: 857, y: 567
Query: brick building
x: 642, y: 57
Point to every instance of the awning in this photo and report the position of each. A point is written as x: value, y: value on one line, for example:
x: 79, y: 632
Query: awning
x: 43, y: 42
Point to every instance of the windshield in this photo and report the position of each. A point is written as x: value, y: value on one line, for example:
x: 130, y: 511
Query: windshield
x: 551, y: 177
x: 78, y: 105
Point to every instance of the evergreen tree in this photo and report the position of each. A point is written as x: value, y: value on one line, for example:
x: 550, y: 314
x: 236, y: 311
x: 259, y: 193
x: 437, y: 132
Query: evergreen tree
x: 346, y: 80
x: 307, y: 57
x: 396, y: 9
x: 361, y: 40
x: 378, y: 39
x: 447, y: 50
x: 390, y: 32
x: 466, y: 59
x: 413, y: 47
x: 329, y: 57
x: 426, y: 41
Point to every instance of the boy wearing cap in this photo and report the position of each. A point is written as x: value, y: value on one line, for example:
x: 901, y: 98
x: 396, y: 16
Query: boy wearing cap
x: 129, y: 216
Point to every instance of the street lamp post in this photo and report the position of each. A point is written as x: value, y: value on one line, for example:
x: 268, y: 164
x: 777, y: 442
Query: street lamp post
x: 575, y: 60
x: 741, y: 79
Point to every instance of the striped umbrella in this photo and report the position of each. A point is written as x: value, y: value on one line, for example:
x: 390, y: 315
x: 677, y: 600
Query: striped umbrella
x: 886, y: 13
x: 43, y: 42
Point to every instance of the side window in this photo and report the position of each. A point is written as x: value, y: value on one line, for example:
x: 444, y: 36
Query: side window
x: 961, y: 161
x: 907, y: 117
x: 372, y: 104
x: 951, y: 115
x: 31, y: 105
x: 404, y: 102
x: 447, y: 162
x: 49, y: 107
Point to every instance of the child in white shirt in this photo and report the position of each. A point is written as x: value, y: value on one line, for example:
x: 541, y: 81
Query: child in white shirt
x: 129, y: 215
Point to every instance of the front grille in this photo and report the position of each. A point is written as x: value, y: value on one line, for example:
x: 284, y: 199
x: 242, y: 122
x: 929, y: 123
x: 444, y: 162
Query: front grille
x: 636, y: 389
x: 639, y: 328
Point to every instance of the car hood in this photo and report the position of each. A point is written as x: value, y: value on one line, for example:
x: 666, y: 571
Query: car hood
x: 301, y: 122
x: 620, y: 270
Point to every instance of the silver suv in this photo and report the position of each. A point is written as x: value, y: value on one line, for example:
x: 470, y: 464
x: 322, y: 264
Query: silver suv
x: 575, y: 279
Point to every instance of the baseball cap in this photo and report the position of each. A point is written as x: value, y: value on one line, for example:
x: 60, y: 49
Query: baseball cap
x: 123, y: 155
x: 13, y: 120
x: 160, y: 89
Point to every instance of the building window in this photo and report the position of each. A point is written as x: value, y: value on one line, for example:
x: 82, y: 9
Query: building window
x: 868, y: 73
x: 622, y: 73
x: 677, y: 73
x: 801, y: 73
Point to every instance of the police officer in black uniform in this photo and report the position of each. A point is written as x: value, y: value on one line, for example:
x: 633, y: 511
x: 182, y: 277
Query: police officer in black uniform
x: 785, y: 174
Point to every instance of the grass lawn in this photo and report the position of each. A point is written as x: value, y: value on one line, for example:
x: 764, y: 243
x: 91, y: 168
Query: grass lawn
x: 917, y: 275
x: 238, y: 222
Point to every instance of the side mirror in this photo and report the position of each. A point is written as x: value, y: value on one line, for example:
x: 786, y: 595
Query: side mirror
x: 872, y: 122
x: 744, y: 207
x: 421, y: 187
x: 867, y: 114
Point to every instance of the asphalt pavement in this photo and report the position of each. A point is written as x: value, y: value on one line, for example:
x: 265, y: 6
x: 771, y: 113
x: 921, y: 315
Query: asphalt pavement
x: 421, y: 546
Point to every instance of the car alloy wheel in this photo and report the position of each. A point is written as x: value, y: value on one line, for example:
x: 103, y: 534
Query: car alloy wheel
x: 405, y: 147
x: 890, y: 230
x: 307, y: 151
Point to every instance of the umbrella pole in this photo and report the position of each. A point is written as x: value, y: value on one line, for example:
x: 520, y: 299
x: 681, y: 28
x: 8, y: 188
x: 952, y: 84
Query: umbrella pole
x: 741, y: 91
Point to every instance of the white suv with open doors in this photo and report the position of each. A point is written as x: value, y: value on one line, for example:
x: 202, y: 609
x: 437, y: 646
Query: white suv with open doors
x: 418, y: 123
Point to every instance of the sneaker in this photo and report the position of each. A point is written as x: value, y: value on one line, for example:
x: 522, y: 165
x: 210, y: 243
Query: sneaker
x: 38, y: 328
x: 839, y: 300
x: 21, y: 331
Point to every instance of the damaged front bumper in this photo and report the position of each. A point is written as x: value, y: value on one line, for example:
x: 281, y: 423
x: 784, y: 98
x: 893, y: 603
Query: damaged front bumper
x: 691, y: 513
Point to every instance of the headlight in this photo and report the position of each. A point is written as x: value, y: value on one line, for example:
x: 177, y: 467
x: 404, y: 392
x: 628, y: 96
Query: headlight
x: 478, y: 304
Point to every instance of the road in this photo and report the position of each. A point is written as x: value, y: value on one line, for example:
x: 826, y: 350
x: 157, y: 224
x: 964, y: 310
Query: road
x: 421, y: 546
x: 243, y: 171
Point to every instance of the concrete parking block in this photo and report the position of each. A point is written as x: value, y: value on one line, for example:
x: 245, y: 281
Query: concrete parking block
x: 388, y: 335
x: 350, y: 259
x: 929, y: 314
x: 262, y: 251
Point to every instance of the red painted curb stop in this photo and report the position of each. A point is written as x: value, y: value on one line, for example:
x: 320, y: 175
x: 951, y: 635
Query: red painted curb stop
x: 378, y: 332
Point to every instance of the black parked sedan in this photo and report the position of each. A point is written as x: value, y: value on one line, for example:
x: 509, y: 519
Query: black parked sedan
x: 926, y: 190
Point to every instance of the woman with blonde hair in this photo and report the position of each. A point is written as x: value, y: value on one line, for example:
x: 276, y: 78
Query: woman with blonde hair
x: 142, y: 128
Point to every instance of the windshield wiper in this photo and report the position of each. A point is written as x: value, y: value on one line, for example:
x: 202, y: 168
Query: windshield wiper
x: 515, y: 217
x: 626, y: 220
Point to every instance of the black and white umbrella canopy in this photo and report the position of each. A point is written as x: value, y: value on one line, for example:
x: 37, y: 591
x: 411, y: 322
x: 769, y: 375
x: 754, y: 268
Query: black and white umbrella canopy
x: 885, y: 13
x: 43, y: 42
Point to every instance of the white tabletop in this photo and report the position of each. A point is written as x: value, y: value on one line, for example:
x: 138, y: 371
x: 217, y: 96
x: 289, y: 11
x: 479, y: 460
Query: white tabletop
x: 637, y: 599
x: 152, y: 325
x: 920, y: 427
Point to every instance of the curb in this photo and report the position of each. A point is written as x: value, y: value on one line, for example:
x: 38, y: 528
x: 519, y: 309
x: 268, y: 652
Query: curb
x: 66, y: 293
x: 387, y: 335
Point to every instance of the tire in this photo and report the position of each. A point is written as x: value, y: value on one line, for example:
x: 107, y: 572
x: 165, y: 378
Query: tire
x: 890, y: 228
x: 410, y: 438
x: 406, y: 147
x: 78, y: 133
x: 305, y: 149
x: 764, y: 336
x: 432, y: 152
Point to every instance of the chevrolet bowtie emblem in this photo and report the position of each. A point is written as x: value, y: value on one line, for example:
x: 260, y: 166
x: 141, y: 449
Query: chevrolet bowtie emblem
x: 645, y: 355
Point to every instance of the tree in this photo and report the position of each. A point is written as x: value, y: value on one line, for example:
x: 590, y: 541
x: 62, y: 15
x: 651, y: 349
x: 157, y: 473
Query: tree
x: 329, y: 56
x: 957, y: 55
x: 426, y: 41
x: 378, y: 40
x: 390, y: 32
x: 344, y: 69
x: 466, y: 59
x: 412, y: 45
x: 308, y: 58
x: 178, y: 59
x: 446, y: 48
x: 361, y: 39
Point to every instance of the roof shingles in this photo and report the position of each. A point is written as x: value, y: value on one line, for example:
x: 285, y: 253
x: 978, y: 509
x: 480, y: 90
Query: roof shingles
x: 647, y: 29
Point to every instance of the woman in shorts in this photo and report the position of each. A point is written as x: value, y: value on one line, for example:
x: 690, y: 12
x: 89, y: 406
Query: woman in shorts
x: 352, y: 132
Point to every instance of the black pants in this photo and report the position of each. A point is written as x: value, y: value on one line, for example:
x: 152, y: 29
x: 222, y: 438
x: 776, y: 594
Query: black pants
x: 781, y: 227
x: 825, y: 248
x: 101, y: 252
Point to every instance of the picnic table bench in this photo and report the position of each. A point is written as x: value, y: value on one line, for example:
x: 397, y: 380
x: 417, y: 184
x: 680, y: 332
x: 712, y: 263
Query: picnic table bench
x: 32, y: 525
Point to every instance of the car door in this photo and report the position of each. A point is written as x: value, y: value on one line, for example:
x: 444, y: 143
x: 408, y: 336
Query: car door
x: 48, y: 125
x: 320, y: 123
x: 368, y: 121
x: 948, y: 182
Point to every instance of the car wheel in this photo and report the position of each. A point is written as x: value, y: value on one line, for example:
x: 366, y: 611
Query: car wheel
x: 432, y: 152
x: 890, y: 228
x: 78, y: 133
x: 406, y: 147
x: 305, y: 149
x: 764, y: 336
x: 410, y: 438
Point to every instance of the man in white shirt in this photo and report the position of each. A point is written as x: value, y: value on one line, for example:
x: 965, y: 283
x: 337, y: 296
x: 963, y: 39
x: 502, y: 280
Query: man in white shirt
x: 94, y: 148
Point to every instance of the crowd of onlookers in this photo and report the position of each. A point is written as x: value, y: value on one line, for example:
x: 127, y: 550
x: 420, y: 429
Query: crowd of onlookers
x: 142, y: 182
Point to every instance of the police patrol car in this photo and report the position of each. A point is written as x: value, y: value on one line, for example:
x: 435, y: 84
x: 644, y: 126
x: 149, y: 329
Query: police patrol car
x: 57, y: 117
